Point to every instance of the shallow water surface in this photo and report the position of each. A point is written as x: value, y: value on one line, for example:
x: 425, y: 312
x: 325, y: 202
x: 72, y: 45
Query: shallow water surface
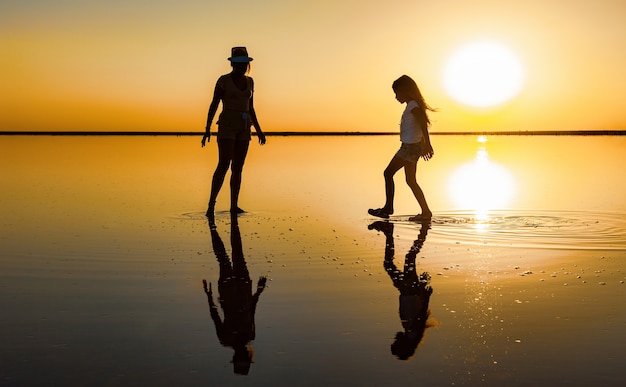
x: 105, y: 247
x: 577, y: 230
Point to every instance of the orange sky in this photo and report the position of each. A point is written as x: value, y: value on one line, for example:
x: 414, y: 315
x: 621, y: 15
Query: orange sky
x: 321, y: 66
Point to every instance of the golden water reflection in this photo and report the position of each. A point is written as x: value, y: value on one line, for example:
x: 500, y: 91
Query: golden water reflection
x: 92, y: 240
x: 481, y: 184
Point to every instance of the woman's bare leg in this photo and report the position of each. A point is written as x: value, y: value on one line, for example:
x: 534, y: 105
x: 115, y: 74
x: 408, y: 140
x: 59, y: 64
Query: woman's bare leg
x: 239, y: 158
x: 226, y: 150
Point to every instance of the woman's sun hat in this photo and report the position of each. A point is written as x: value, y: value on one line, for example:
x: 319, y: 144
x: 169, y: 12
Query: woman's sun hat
x: 239, y: 55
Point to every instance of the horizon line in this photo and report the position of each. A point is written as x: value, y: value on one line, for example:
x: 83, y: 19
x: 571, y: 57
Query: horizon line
x: 321, y: 133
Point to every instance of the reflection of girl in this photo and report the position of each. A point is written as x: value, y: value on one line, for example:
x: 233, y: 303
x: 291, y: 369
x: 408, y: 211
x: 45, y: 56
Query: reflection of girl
x: 235, y: 91
x: 414, y: 298
x: 415, y: 144
x: 414, y: 290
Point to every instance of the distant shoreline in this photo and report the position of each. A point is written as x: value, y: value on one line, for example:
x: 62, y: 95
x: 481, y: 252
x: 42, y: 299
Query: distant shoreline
x: 477, y: 133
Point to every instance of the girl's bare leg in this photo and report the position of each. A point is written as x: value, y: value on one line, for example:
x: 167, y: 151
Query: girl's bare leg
x: 410, y: 171
x: 394, y: 165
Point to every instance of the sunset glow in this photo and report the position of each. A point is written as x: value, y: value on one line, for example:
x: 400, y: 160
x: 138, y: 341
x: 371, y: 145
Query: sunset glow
x: 483, y: 74
x: 320, y: 66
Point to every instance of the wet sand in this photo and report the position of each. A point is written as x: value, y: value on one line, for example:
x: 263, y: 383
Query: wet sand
x: 102, y: 272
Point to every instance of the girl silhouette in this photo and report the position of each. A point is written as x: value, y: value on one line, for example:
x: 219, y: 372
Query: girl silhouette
x: 415, y: 144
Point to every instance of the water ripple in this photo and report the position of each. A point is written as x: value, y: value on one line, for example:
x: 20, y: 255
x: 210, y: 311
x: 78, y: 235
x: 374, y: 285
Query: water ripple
x: 197, y: 215
x: 532, y: 229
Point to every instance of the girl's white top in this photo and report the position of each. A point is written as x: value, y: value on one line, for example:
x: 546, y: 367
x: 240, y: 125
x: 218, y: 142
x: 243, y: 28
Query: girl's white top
x: 410, y: 131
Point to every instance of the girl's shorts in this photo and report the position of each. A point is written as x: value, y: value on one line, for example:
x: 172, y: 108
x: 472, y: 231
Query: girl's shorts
x: 410, y: 152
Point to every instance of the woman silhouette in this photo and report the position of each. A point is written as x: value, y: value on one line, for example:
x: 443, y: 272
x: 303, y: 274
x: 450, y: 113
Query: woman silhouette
x: 235, y: 91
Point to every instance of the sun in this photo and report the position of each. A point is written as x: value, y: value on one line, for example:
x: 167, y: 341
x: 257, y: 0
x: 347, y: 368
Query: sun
x: 483, y: 74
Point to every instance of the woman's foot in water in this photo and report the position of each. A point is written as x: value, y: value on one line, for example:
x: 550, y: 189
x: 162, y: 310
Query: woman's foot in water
x: 236, y: 211
x: 210, y: 212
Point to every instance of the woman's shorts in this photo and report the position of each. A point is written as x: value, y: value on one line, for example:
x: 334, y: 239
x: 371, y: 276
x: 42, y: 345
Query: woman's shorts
x: 410, y: 152
x: 233, y: 125
x: 229, y: 133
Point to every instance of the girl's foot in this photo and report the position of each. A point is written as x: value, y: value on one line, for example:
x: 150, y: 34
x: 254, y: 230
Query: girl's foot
x: 380, y: 212
x: 421, y: 217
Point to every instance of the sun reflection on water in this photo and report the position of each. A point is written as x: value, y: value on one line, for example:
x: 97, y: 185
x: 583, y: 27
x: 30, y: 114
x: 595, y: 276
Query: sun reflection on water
x: 481, y: 185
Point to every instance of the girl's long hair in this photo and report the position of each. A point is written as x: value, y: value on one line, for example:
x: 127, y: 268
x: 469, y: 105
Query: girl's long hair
x: 408, y: 84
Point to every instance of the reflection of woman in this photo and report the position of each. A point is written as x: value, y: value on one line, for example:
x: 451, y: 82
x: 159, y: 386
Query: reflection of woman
x: 235, y: 91
x: 238, y: 302
x: 414, y: 290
